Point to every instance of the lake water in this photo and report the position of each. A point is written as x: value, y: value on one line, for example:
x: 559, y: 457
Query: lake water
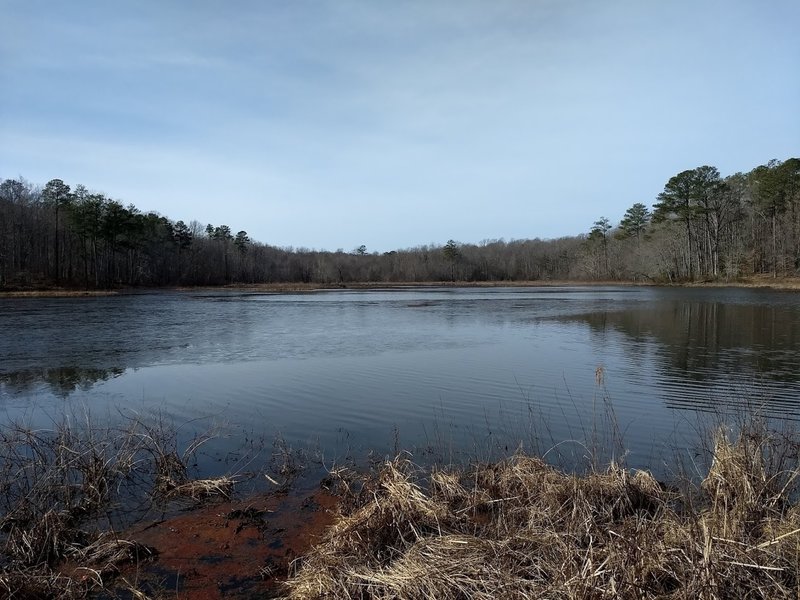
x: 445, y: 371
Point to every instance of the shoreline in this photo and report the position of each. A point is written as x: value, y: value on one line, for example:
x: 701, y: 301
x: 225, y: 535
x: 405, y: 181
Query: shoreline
x: 57, y: 293
x: 515, y: 525
x: 759, y: 282
x: 369, y: 532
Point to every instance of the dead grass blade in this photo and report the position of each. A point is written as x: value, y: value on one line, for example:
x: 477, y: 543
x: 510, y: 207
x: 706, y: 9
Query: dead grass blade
x: 520, y: 528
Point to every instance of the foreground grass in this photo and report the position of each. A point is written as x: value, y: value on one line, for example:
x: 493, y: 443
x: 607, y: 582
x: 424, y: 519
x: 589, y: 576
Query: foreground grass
x: 64, y: 492
x: 516, y: 528
x: 522, y: 529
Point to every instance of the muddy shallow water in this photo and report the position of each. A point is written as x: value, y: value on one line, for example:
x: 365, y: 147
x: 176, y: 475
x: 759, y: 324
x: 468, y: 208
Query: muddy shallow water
x: 240, y: 549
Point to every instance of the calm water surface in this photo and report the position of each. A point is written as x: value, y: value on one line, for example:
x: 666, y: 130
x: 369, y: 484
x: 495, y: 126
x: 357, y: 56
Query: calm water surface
x: 455, y: 369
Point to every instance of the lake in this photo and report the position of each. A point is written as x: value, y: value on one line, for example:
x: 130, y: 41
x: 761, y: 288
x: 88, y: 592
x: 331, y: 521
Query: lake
x: 447, y: 372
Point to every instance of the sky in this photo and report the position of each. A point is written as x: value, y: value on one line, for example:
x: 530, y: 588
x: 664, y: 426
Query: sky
x: 329, y: 124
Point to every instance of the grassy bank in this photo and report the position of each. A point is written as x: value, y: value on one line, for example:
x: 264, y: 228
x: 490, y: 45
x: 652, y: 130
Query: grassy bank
x: 514, y: 528
x: 755, y: 281
x: 521, y: 528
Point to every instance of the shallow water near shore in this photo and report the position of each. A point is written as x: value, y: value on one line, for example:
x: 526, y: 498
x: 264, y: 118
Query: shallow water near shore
x: 447, y: 372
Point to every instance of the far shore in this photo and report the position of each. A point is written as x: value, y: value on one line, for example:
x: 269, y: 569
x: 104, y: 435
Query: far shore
x: 56, y: 293
x: 753, y: 282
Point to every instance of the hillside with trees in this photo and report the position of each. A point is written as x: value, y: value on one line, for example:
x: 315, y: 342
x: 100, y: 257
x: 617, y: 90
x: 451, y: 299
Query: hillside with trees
x: 702, y: 226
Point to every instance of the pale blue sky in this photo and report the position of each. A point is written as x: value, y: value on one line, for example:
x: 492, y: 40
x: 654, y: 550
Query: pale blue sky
x: 330, y: 124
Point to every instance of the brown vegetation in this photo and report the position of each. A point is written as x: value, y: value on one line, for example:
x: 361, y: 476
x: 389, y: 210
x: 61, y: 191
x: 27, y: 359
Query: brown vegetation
x: 522, y: 529
x: 755, y: 281
x: 517, y: 528
x: 65, y: 491
x: 55, y: 293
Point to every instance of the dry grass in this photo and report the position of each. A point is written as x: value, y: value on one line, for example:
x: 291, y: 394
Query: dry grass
x: 107, y: 553
x: 35, y: 584
x: 201, y: 489
x: 753, y: 281
x: 65, y: 489
x: 523, y: 529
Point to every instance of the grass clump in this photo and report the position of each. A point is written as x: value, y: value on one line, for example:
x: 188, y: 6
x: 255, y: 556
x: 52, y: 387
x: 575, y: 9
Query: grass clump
x: 520, y: 528
x: 199, y: 489
x: 64, y: 492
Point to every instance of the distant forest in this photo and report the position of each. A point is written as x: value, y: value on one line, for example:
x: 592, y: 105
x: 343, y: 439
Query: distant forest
x: 702, y: 226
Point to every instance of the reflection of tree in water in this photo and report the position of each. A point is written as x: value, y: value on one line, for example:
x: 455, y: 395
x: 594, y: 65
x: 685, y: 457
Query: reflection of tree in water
x: 707, y: 341
x: 62, y: 381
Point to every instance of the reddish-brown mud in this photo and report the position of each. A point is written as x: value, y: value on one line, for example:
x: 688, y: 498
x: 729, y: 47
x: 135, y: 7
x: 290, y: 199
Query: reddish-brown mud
x: 237, y: 550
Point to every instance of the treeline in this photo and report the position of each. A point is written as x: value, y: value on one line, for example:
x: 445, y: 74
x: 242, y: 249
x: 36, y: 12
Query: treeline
x: 702, y: 226
x: 705, y: 226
